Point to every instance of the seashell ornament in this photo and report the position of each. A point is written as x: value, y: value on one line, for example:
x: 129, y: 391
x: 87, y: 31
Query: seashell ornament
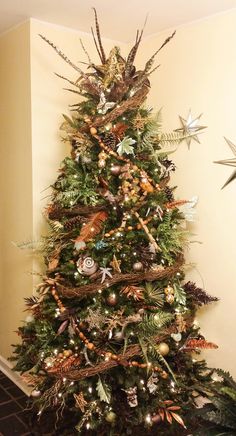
x: 87, y: 266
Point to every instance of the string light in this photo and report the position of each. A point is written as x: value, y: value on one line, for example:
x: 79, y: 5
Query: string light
x: 148, y: 419
x: 90, y: 389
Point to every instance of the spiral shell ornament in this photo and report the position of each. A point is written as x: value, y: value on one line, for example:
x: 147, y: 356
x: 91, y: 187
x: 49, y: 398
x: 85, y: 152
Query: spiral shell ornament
x: 87, y: 266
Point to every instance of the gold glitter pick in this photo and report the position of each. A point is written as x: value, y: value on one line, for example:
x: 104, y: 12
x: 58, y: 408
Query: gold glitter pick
x: 190, y: 128
x: 229, y: 162
x: 81, y: 403
x: 115, y: 263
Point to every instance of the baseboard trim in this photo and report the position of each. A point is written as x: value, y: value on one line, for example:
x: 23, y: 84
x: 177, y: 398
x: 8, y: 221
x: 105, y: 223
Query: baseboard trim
x: 6, y: 368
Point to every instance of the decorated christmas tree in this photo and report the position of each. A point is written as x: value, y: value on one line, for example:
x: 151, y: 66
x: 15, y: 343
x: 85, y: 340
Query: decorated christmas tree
x: 112, y: 330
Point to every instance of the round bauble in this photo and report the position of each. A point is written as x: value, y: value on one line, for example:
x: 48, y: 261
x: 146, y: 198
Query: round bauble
x: 138, y: 266
x: 115, y: 169
x: 170, y: 298
x: 156, y: 418
x: 102, y: 163
x: 93, y: 130
x: 87, y: 266
x: 163, y: 348
x: 110, y: 416
x: 35, y: 393
x: 169, y: 290
x: 112, y: 299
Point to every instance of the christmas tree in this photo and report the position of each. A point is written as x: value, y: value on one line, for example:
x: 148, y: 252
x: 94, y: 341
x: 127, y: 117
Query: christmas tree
x: 112, y: 329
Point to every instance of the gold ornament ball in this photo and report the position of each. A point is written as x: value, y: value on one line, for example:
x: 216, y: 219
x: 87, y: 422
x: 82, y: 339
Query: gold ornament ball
x: 163, y: 348
x: 170, y: 298
x: 169, y: 290
x: 67, y: 353
x: 137, y: 266
x: 110, y: 417
x: 112, y: 299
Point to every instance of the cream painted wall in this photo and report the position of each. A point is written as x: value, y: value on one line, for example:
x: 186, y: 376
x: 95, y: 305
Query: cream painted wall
x: 32, y: 101
x: 49, y: 101
x: 198, y: 71
x: 15, y: 180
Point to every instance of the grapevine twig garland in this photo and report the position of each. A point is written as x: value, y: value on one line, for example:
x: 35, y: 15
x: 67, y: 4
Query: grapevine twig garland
x: 135, y: 277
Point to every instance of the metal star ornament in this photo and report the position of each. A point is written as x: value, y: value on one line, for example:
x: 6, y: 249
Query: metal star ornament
x: 190, y: 128
x: 229, y: 162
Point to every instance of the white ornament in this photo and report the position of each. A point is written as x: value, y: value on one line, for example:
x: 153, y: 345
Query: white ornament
x: 35, y: 393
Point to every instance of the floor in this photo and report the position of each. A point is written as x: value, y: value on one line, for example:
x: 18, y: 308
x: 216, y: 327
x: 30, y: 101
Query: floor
x: 18, y: 419
x: 13, y: 419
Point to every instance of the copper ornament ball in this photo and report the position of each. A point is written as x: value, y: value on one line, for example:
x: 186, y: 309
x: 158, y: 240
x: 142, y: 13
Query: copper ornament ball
x: 115, y: 169
x: 112, y: 299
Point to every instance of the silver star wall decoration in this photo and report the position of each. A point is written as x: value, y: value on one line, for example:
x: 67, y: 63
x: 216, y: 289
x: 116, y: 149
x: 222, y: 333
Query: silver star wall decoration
x: 190, y: 128
x: 229, y: 162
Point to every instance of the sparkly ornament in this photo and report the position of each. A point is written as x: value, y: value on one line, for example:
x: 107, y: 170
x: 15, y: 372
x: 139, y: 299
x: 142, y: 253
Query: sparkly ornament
x: 229, y: 162
x: 137, y: 266
x: 35, y: 393
x: 115, y: 263
x: 190, y: 128
x: 110, y: 417
x: 115, y: 169
x: 80, y: 402
x: 87, y: 266
x: 169, y: 291
x: 176, y: 336
x: 112, y: 299
x: 152, y: 383
x: 132, y: 397
x: 163, y: 348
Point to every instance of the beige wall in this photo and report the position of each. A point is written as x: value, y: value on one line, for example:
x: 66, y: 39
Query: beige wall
x: 49, y: 101
x: 15, y: 180
x: 198, y: 71
x: 32, y: 101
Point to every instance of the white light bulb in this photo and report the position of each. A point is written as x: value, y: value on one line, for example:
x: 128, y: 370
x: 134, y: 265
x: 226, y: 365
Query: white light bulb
x: 148, y: 419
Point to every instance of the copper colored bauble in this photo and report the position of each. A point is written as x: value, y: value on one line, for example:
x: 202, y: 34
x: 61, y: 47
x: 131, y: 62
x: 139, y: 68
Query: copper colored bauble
x: 163, y: 348
x: 112, y: 299
x: 146, y: 185
x: 137, y: 266
x: 156, y: 419
x: 110, y: 416
x: 115, y: 169
x: 35, y: 393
